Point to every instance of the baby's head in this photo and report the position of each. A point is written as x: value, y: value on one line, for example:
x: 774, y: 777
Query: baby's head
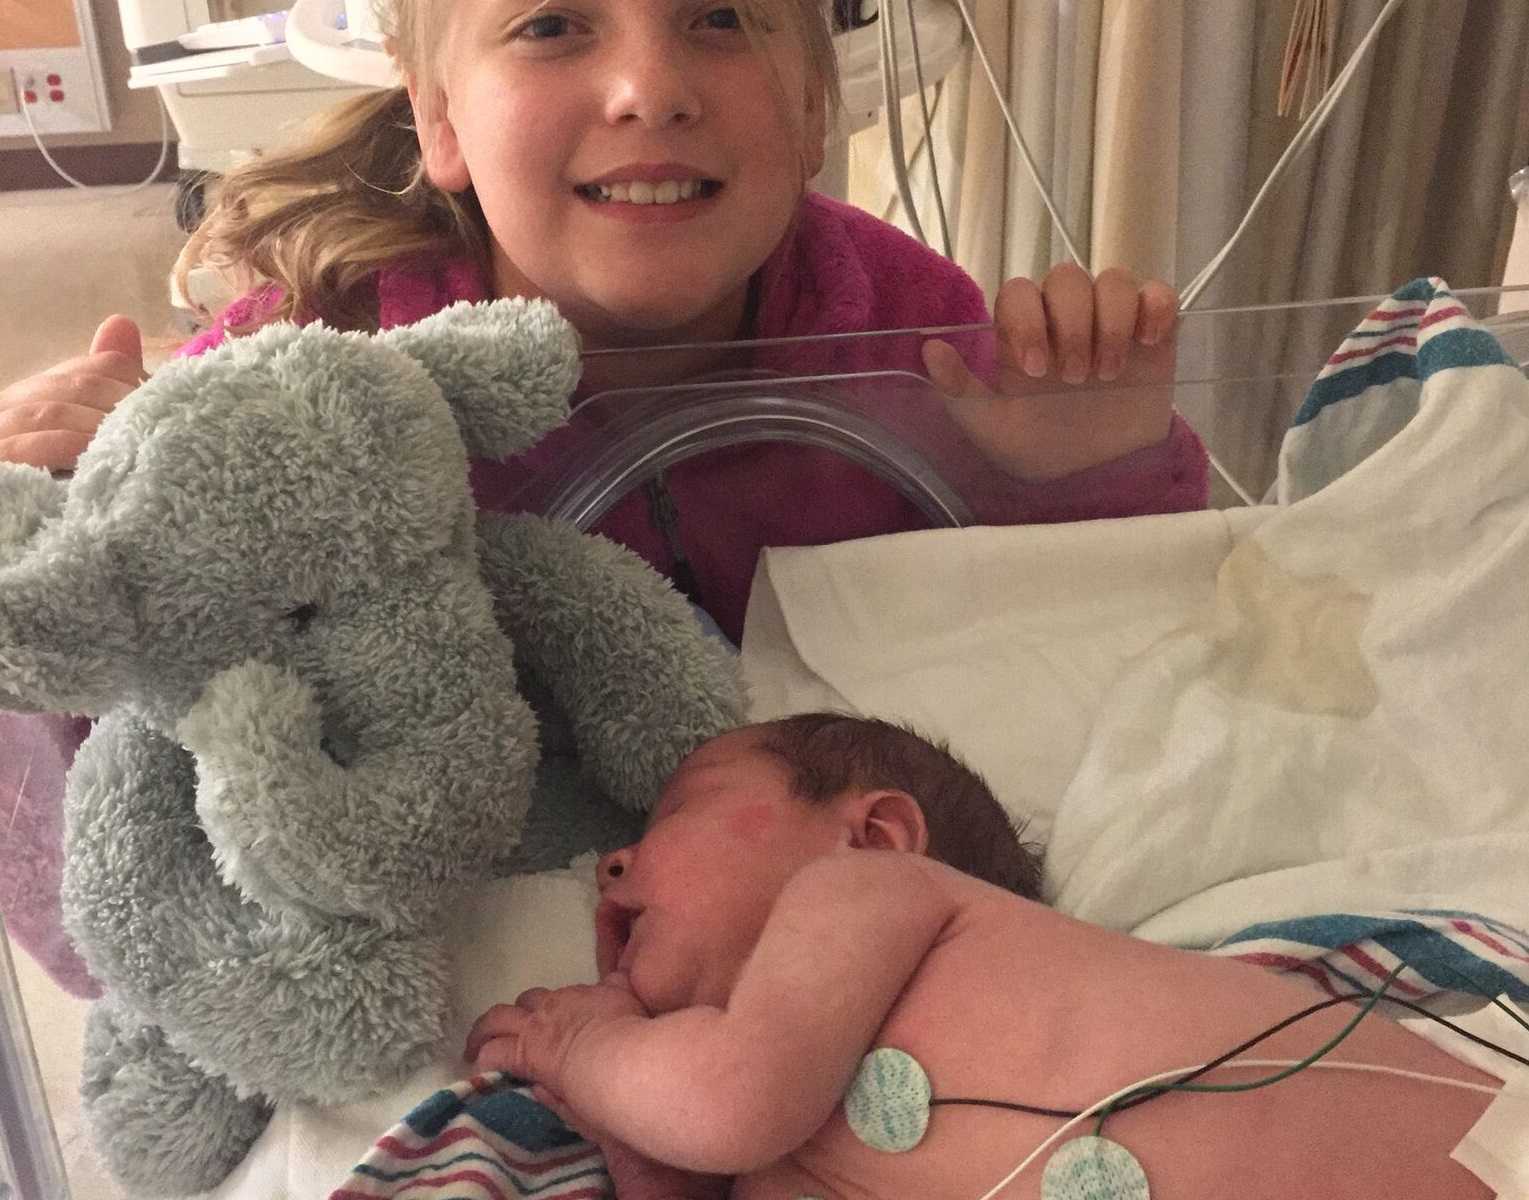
x: 682, y: 908
x: 635, y: 161
x: 831, y: 754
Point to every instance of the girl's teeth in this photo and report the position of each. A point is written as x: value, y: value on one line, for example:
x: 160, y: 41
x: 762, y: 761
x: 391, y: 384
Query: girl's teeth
x: 640, y: 191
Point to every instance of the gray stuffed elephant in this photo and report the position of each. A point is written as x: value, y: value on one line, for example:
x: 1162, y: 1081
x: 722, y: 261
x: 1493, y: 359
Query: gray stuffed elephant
x: 266, y: 578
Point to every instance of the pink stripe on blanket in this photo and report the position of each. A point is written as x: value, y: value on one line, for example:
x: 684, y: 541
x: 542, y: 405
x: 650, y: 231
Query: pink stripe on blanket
x: 455, y: 1134
x: 1443, y: 314
x: 1488, y: 940
x: 1370, y: 351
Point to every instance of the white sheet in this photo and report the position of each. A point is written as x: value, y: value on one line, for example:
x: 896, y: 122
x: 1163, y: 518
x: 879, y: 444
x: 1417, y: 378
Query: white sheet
x: 1004, y: 641
x: 1225, y: 718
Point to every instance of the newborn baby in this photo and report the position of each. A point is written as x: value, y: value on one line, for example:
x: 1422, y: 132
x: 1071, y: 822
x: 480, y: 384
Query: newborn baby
x: 808, y: 891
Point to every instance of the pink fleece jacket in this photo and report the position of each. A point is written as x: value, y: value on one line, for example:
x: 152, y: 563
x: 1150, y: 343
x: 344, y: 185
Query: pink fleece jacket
x: 838, y: 271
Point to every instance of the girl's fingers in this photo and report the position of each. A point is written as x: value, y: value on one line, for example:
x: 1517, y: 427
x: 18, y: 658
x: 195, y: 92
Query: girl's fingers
x: 948, y: 371
x: 87, y: 388
x: 50, y: 451
x: 1115, y: 321
x: 49, y: 416
x: 119, y: 337
x: 1020, y: 314
x: 1069, y: 298
x: 1157, y: 313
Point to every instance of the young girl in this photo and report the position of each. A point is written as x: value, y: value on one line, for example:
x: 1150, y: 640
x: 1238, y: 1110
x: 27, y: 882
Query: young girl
x: 644, y: 164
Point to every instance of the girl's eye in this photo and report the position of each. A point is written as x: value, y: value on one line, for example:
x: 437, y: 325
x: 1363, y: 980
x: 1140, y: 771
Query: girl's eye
x: 543, y: 28
x: 722, y: 18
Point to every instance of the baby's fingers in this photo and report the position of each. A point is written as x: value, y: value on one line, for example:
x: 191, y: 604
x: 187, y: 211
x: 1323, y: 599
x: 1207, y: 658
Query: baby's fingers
x: 498, y: 1054
x: 503, y: 1020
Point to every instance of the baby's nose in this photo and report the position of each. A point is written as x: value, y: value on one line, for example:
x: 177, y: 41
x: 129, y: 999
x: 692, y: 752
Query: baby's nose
x: 612, y: 866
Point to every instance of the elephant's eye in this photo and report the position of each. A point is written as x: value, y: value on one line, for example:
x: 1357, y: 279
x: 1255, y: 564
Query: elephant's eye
x: 301, y: 617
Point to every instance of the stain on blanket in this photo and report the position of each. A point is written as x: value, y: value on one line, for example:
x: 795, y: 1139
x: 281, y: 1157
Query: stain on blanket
x: 1291, y: 640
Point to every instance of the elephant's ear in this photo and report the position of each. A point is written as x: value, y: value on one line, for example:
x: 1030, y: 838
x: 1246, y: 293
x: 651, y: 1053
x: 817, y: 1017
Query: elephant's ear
x: 65, y: 626
x: 507, y: 368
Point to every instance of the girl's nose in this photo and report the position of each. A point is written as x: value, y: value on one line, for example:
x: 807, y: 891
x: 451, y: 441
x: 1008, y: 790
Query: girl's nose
x: 612, y: 867
x: 651, y: 87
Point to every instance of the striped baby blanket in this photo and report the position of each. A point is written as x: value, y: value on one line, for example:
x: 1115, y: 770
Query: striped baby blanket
x: 481, y: 1139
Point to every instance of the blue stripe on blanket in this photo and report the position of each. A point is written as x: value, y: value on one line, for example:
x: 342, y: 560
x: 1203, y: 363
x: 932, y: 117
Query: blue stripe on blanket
x: 1384, y: 369
x: 511, y: 1114
x: 1435, y: 351
x: 1452, y: 952
x: 483, y: 1138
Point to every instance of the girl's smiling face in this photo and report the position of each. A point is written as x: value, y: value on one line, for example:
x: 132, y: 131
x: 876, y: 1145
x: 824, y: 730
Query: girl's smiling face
x: 636, y: 160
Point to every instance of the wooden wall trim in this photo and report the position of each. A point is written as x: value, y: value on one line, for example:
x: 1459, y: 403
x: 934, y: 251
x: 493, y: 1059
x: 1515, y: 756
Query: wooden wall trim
x: 104, y: 165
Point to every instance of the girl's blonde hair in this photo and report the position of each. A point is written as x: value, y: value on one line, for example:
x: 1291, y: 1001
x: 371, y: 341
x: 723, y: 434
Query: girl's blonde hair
x: 349, y: 194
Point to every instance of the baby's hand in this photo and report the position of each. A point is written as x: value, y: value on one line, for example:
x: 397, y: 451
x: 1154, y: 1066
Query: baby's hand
x: 1063, y: 332
x: 47, y: 420
x: 534, y: 1037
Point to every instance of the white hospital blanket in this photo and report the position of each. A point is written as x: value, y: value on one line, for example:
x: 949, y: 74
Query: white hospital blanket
x: 1228, y: 719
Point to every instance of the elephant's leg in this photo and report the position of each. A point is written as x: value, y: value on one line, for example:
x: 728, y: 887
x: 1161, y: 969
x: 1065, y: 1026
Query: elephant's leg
x: 282, y: 1003
x: 620, y: 649
x: 161, y: 1126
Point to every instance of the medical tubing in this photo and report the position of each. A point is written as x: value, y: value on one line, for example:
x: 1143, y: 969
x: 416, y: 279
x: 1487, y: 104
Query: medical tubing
x: 645, y: 444
x: 1017, y: 137
x: 1327, y: 1047
x: 923, y: 105
x: 1241, y: 1064
x: 894, y: 109
x: 1152, y: 1093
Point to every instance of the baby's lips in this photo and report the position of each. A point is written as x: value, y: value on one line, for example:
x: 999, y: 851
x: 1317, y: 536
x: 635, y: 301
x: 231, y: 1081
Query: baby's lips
x: 612, y: 925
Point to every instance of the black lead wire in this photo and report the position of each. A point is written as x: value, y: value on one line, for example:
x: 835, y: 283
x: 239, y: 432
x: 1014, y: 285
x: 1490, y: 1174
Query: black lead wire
x: 1152, y: 1093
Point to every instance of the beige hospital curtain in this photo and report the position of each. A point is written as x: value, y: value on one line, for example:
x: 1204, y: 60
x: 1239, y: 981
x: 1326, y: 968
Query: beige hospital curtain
x: 1169, y: 129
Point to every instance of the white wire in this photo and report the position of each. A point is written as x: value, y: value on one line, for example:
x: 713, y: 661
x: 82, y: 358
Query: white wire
x: 1017, y: 137
x: 164, y: 151
x: 891, y: 95
x: 929, y: 154
x: 1303, y: 139
x: 1339, y: 1065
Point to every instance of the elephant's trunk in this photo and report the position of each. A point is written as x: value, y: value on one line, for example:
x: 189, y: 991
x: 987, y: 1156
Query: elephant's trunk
x: 432, y: 781
x: 65, y: 631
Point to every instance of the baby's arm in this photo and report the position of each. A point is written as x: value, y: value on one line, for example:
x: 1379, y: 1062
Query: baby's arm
x: 728, y: 1091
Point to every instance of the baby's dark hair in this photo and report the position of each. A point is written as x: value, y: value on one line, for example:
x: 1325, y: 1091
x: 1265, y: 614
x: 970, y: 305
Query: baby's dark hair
x: 830, y: 753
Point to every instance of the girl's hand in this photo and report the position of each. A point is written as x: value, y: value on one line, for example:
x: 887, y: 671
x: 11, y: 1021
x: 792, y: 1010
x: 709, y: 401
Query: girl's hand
x: 534, y: 1037
x: 47, y: 420
x: 1063, y: 332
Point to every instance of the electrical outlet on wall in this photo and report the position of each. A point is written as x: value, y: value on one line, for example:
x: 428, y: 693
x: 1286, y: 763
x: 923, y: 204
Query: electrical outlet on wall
x: 56, y: 83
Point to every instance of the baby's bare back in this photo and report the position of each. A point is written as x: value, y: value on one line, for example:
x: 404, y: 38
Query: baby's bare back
x: 1019, y: 1003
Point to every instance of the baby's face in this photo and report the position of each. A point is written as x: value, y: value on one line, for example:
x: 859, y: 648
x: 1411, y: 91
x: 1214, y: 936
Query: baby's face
x: 636, y: 160
x: 682, y: 908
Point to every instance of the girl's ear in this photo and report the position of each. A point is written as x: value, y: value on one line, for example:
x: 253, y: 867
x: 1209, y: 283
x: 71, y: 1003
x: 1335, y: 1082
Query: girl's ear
x: 888, y: 819
x: 439, y: 149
